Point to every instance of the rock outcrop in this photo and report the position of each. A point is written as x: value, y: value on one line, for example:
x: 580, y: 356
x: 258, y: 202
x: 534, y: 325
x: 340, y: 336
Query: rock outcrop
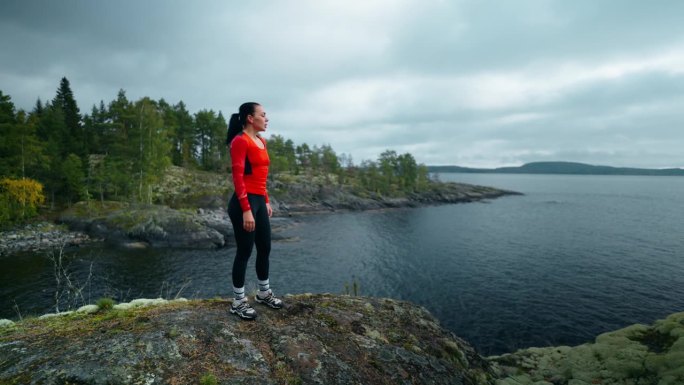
x: 638, y: 354
x: 315, y: 339
x: 191, y: 210
x: 41, y: 236
x: 150, y: 225
x: 319, y: 196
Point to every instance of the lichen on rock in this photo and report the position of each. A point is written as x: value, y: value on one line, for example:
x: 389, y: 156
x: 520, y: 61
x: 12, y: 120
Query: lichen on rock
x: 315, y: 339
x: 637, y: 354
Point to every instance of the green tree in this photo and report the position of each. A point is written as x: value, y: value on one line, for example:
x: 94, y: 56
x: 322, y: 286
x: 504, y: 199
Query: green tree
x: 407, y: 172
x: 9, y: 134
x: 370, y: 177
x: 97, y: 130
x: 121, y: 151
x: 184, y: 142
x: 210, y: 130
x: 315, y: 159
x: 423, y: 178
x: 328, y: 159
x: 389, y: 164
x: 34, y: 160
x: 73, y: 179
x: 282, y: 155
x: 303, y: 155
x: 218, y: 143
x: 171, y: 127
x: 73, y: 138
x: 152, y: 146
x: 50, y: 128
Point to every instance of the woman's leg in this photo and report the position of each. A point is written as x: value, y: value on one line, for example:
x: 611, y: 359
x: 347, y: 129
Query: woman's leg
x: 263, y: 245
x: 262, y: 237
x: 244, y: 241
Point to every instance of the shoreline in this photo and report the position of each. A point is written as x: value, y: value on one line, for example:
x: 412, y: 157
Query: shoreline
x: 159, y: 226
x: 315, y: 333
x: 41, y: 236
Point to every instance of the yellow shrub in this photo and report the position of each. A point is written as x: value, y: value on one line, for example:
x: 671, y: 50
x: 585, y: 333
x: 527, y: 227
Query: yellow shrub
x: 19, y: 199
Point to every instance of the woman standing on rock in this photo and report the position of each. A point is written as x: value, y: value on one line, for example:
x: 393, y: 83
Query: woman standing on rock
x: 249, y: 208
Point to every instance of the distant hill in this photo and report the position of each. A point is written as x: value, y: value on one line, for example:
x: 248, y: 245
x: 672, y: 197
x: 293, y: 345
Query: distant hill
x: 561, y: 168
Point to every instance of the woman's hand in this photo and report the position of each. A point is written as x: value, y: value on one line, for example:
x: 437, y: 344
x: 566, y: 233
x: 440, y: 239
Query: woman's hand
x: 248, y: 220
x: 269, y: 209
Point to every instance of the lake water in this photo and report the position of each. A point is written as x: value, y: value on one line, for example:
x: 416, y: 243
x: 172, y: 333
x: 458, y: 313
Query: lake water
x: 574, y: 257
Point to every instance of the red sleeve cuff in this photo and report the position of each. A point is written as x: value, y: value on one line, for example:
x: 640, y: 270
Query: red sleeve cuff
x: 244, y: 203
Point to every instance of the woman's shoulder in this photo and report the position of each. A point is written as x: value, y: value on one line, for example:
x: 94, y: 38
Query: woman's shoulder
x: 240, y: 138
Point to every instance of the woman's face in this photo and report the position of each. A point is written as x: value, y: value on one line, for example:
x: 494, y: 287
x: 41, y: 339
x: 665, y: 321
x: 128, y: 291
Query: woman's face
x: 259, y: 119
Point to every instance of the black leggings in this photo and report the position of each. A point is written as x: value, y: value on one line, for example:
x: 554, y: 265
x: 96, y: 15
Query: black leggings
x: 245, y: 240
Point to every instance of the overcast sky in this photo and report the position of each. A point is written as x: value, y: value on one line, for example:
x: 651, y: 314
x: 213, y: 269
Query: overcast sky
x: 473, y: 83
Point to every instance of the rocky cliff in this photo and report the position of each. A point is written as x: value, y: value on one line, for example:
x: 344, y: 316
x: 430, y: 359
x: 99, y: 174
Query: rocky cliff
x: 315, y: 339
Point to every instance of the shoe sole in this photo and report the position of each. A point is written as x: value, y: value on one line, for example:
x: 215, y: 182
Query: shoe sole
x: 267, y: 304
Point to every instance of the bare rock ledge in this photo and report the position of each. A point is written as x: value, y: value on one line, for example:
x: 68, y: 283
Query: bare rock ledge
x: 315, y: 339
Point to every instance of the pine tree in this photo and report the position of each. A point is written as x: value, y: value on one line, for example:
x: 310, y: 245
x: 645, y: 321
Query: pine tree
x: 73, y: 138
x: 119, y: 162
x: 329, y: 160
x: 408, y: 172
x: 34, y: 160
x: 73, y: 179
x: 50, y: 129
x: 38, y: 108
x: 184, y: 142
x: 154, y: 146
x: 9, y: 135
x: 389, y: 165
x: 209, y: 136
x: 303, y: 153
x: 171, y: 128
x: 219, y: 143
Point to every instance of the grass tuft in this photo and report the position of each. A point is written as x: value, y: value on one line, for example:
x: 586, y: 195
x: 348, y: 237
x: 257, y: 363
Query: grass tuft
x: 105, y: 304
x: 208, y: 379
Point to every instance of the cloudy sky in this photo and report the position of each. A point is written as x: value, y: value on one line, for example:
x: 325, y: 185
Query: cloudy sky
x: 473, y: 83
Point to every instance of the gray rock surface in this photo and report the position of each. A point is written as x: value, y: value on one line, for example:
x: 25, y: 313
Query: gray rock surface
x: 153, y: 225
x: 638, y: 354
x: 297, y: 198
x: 41, y: 236
x: 315, y: 339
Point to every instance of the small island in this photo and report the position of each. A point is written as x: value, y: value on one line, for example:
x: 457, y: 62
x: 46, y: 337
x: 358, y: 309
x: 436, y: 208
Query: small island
x: 565, y: 168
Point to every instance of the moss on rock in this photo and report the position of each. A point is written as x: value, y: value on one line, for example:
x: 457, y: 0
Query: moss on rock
x: 637, y: 354
x: 185, y: 341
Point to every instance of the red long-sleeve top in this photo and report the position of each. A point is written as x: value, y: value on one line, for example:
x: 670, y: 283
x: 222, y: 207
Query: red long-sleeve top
x: 250, y: 168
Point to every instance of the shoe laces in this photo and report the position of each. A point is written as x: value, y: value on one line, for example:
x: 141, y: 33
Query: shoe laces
x: 243, y: 306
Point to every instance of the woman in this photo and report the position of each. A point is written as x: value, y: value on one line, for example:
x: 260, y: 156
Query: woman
x: 249, y: 208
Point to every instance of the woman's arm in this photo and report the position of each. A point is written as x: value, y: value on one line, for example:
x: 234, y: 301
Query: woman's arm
x: 238, y: 154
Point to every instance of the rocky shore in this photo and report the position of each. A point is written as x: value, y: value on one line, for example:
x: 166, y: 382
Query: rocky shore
x: 315, y: 339
x: 140, y: 226
x: 297, y: 198
x: 41, y: 236
x: 638, y: 354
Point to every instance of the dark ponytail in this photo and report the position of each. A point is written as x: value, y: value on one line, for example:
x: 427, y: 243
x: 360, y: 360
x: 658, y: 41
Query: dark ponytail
x: 237, y: 121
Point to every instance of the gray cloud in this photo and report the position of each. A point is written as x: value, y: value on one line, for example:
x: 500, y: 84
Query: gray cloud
x: 474, y: 83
